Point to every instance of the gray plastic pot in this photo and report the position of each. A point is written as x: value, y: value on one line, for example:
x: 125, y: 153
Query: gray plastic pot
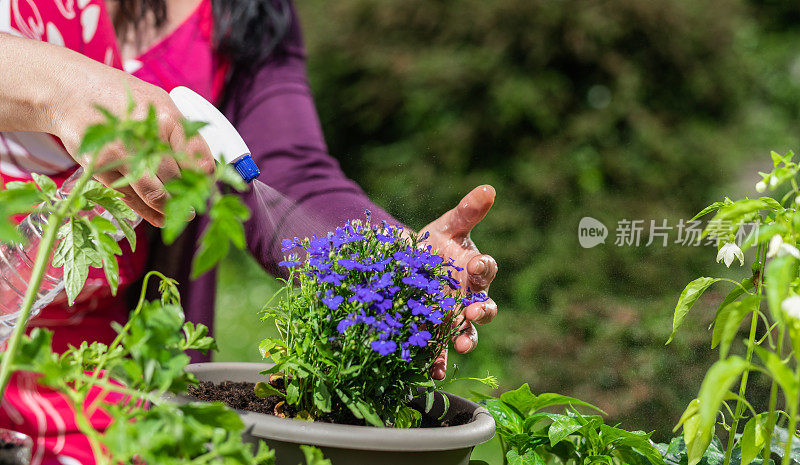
x: 16, y: 448
x: 356, y: 445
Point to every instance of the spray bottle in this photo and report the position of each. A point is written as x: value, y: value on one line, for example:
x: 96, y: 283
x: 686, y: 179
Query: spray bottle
x: 16, y: 260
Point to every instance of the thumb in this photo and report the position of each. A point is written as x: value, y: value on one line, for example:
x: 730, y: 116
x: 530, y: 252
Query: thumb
x: 469, y: 212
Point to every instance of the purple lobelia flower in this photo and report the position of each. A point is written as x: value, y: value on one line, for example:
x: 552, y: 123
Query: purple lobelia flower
x: 384, y: 347
x: 370, y: 296
x: 332, y: 301
x: 420, y: 339
x: 290, y: 262
x: 470, y: 298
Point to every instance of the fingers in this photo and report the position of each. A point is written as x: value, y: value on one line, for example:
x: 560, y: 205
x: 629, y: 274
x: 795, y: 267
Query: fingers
x: 481, y: 270
x: 467, y: 338
x: 152, y: 192
x: 199, y: 155
x: 481, y: 312
x: 439, y: 368
x: 167, y: 170
x: 132, y: 199
x: 469, y: 212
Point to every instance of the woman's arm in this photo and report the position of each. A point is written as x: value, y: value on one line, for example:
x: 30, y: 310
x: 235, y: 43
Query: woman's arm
x: 276, y: 116
x: 26, y: 95
x: 47, y: 88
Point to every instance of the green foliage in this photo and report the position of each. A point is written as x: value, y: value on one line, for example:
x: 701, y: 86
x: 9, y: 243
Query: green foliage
x: 147, y: 359
x: 615, y: 109
x: 17, y: 198
x: 531, y: 436
x: 144, y: 362
x: 775, y: 281
x: 333, y: 334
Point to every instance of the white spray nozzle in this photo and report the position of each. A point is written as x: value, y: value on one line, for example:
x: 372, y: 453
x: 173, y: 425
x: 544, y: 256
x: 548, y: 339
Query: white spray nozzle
x: 222, y: 138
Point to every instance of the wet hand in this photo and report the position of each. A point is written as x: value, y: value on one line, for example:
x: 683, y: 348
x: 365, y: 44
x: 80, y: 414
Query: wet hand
x: 450, y: 235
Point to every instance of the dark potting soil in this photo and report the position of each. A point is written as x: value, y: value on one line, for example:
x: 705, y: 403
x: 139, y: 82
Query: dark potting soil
x: 14, y: 454
x: 242, y: 396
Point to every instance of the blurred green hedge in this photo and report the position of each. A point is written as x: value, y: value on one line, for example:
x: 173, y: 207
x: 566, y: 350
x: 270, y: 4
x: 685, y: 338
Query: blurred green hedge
x: 616, y: 109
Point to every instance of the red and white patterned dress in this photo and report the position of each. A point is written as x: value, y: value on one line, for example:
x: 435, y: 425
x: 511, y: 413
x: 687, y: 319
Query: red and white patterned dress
x: 185, y: 57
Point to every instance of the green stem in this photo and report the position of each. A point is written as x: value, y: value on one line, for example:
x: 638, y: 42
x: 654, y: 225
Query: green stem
x: 503, y: 450
x: 39, y: 268
x: 751, y: 345
x: 772, y: 417
x: 791, y: 430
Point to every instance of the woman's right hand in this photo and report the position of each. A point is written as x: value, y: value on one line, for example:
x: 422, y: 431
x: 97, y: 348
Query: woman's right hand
x: 69, y: 93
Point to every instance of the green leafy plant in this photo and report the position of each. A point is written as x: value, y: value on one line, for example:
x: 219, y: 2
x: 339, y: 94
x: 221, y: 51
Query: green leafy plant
x: 146, y: 361
x: 531, y: 435
x: 773, y: 335
x: 81, y: 238
x: 362, y: 318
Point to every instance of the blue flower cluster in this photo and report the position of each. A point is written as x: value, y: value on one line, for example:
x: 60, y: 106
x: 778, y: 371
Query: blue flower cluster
x: 380, y: 285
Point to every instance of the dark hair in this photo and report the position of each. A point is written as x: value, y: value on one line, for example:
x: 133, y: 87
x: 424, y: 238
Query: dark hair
x: 245, y: 31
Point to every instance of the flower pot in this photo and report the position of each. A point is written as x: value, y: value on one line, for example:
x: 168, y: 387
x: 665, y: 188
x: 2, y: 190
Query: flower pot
x: 357, y: 445
x: 15, y: 448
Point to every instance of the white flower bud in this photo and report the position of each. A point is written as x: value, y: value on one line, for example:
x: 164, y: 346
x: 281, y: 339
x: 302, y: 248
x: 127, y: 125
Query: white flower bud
x: 787, y: 249
x: 791, y: 305
x: 761, y: 186
x: 774, y: 245
x: 729, y: 252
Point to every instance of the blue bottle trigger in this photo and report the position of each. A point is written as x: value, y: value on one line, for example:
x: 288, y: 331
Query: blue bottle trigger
x: 246, y: 167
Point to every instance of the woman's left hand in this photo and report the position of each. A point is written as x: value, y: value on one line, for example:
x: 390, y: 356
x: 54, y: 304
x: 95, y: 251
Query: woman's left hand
x: 450, y: 235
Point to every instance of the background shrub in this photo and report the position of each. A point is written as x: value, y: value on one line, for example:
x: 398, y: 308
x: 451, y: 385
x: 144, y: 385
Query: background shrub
x: 620, y: 109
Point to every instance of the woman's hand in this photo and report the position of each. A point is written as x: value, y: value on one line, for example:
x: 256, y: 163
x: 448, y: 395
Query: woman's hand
x: 57, y: 92
x: 450, y: 235
x: 100, y: 85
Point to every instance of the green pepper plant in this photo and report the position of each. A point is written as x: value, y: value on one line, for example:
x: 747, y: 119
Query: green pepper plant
x: 767, y: 303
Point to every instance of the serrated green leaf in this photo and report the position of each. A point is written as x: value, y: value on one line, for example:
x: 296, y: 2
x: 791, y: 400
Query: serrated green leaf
x: 225, y: 228
x: 17, y: 198
x: 76, y: 253
x: 46, y: 185
x: 96, y: 137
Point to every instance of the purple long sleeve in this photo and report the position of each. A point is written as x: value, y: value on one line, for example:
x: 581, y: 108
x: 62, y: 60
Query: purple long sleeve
x: 277, y: 119
x: 275, y: 115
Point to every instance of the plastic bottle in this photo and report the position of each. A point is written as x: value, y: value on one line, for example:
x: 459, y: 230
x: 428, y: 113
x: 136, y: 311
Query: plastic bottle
x: 16, y: 260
